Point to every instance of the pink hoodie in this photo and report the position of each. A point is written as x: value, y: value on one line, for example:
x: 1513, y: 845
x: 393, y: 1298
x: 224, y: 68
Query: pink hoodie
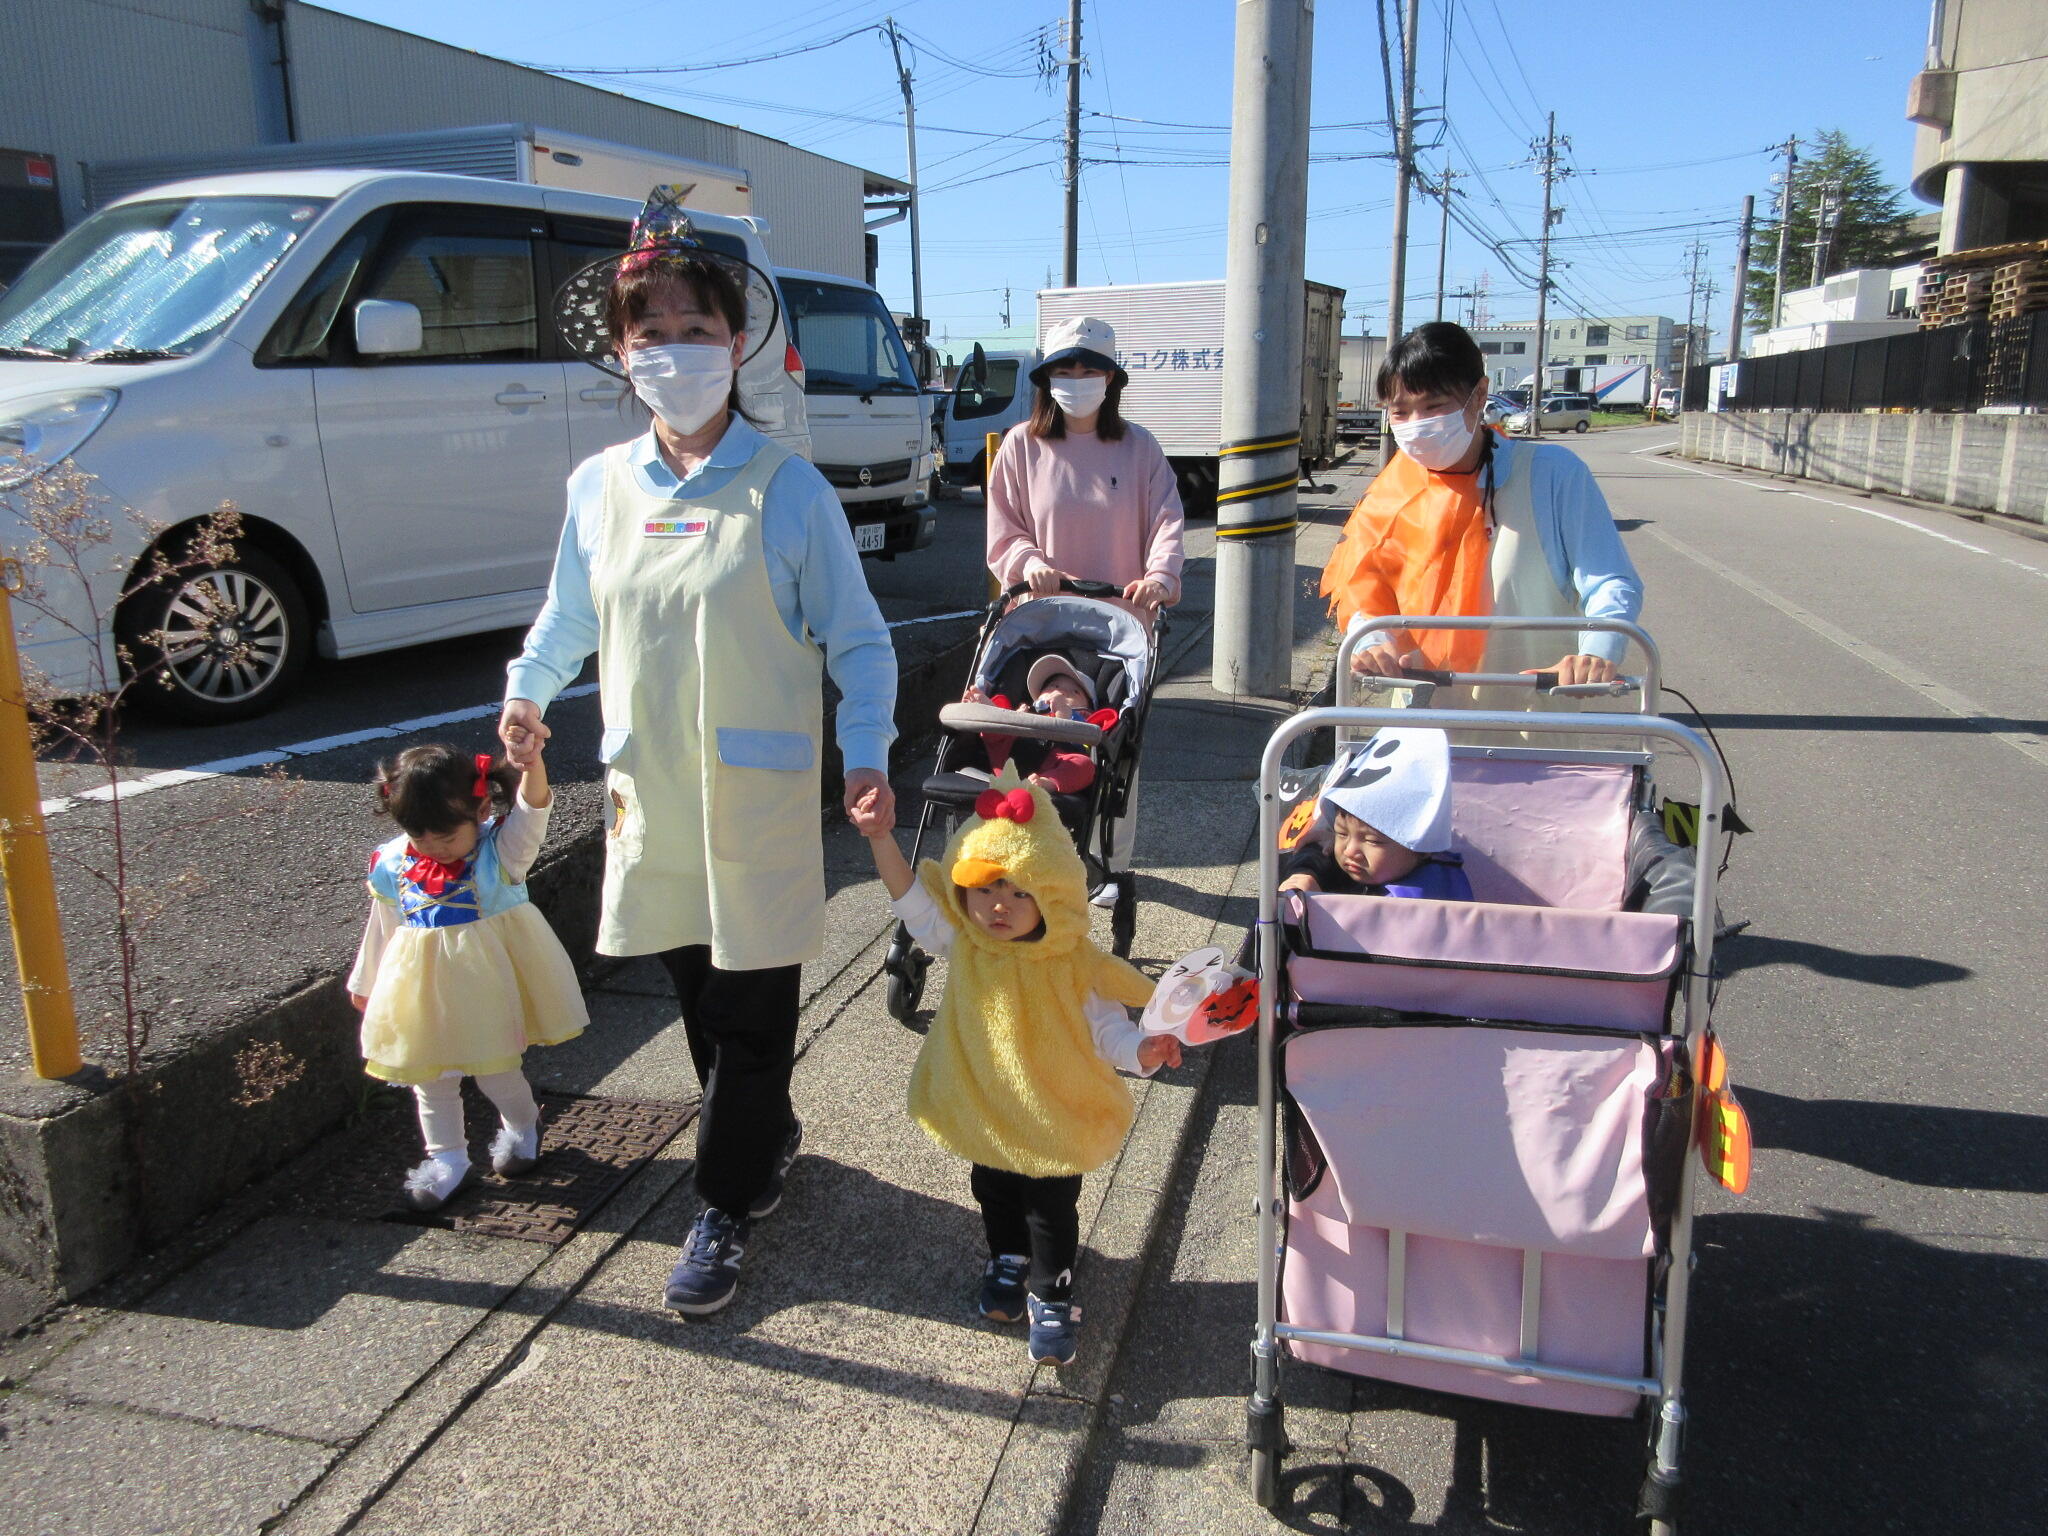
x: 1097, y: 511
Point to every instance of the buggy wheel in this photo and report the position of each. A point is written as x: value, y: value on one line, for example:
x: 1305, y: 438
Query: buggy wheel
x: 904, y: 994
x: 1265, y: 1478
x: 1123, y: 918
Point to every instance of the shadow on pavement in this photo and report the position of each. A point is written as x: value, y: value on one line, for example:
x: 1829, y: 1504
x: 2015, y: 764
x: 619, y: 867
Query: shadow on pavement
x: 1946, y: 725
x: 1751, y: 951
x: 1926, y: 1144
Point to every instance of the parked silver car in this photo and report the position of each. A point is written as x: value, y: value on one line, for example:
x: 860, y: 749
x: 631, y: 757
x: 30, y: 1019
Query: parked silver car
x: 1561, y: 413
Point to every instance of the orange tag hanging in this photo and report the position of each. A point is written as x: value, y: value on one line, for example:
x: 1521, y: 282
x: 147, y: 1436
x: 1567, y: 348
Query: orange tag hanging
x: 1724, y: 1129
x: 1298, y: 821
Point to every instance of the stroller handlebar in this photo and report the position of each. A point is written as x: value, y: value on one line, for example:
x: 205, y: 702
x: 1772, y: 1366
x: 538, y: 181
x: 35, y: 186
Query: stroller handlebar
x: 1649, y: 685
x: 1078, y: 588
x: 1425, y: 680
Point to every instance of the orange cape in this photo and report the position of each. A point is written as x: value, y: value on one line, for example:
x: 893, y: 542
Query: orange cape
x: 1417, y: 543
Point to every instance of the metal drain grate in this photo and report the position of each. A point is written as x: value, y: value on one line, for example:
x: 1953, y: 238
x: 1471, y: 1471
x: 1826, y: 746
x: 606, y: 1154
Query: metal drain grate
x: 588, y: 1148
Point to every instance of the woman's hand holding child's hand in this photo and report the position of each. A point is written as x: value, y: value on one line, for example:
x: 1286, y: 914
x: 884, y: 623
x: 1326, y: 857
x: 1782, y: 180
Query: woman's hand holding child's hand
x: 521, y: 729
x: 1156, y: 1051
x: 872, y: 816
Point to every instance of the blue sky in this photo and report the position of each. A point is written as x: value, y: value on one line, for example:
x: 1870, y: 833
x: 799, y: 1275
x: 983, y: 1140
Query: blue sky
x: 1669, y: 109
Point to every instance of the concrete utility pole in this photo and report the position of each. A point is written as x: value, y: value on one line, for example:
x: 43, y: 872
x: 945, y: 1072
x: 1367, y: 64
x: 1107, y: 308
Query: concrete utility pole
x: 1443, y: 238
x: 1259, y: 459
x: 1784, y: 230
x: 916, y: 247
x: 1741, y: 279
x: 1546, y: 154
x: 1824, y: 217
x: 1692, y: 298
x: 1073, y: 247
x: 1404, y: 174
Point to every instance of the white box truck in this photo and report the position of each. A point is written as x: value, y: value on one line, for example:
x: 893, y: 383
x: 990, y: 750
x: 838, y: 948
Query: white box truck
x: 1169, y: 339
x: 522, y: 152
x: 1358, y: 400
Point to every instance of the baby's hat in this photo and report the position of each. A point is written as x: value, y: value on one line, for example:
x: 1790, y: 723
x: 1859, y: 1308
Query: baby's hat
x: 1046, y: 668
x: 1398, y: 782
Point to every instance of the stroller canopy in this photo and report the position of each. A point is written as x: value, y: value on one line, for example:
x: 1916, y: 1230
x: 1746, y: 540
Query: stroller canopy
x: 1108, y: 642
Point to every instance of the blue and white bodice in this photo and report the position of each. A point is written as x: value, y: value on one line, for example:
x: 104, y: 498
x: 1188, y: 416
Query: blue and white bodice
x: 480, y: 887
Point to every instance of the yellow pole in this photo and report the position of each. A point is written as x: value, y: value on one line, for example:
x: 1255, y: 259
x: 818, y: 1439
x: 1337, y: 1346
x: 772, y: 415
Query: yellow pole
x: 988, y: 472
x: 25, y: 866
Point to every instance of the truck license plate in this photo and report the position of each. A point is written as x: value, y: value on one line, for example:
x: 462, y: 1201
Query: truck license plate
x: 870, y: 537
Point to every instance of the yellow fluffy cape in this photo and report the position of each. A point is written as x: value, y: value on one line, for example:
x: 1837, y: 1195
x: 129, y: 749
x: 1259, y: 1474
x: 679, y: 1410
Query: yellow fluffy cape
x: 1009, y: 1076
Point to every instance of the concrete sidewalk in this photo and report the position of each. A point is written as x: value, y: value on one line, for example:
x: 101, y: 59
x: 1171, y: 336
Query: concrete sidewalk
x: 301, y: 1373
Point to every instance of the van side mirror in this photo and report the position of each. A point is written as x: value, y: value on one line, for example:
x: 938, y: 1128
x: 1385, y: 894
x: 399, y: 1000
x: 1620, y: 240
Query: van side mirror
x: 976, y: 375
x: 387, y: 327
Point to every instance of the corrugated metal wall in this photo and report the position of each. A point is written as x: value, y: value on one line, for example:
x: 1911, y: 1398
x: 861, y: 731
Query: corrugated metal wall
x: 351, y: 78
x: 88, y: 80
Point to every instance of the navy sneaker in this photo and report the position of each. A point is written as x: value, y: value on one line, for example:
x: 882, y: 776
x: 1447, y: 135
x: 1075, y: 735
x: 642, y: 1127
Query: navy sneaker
x: 1002, y: 1288
x: 771, y: 1197
x: 709, y: 1271
x: 1053, y: 1326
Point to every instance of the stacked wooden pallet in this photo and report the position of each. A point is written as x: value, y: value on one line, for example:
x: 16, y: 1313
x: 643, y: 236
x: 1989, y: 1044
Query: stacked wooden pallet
x: 1957, y: 297
x: 2019, y: 287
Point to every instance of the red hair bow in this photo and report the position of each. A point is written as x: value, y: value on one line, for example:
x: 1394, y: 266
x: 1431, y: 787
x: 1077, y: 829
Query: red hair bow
x: 994, y: 804
x: 483, y: 776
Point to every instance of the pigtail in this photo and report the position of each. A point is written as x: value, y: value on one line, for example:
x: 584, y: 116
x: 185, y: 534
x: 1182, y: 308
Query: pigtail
x: 387, y: 776
x: 501, y: 782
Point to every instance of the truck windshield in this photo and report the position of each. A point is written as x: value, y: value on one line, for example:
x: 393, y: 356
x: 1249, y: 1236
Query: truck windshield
x: 149, y: 280
x: 848, y: 343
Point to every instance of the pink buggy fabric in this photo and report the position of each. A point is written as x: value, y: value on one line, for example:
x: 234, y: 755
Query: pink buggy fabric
x: 1542, y: 834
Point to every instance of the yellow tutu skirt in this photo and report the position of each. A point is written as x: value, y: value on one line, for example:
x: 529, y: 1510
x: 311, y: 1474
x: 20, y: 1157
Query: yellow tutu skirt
x: 470, y: 998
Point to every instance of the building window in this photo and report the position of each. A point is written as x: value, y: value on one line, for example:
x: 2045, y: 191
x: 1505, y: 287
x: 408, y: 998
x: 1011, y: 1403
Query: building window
x: 1514, y: 348
x: 1594, y: 358
x: 1596, y: 336
x: 1490, y: 348
x: 1639, y: 333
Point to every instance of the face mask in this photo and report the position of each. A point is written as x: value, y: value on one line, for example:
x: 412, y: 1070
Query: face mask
x: 684, y: 386
x: 1435, y: 442
x: 1079, y: 397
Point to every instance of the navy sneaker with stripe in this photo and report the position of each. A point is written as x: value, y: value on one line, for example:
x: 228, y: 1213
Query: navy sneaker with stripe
x: 1053, y: 1325
x: 709, y: 1271
x: 1002, y: 1288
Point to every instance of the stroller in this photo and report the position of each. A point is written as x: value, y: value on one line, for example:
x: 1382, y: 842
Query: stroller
x: 1489, y: 1106
x: 1112, y: 647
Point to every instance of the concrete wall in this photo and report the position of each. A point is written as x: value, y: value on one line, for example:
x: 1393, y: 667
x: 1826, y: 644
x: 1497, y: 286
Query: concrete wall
x: 1986, y: 463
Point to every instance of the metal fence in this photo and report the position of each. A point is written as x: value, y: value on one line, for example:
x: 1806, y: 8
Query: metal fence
x: 1952, y: 368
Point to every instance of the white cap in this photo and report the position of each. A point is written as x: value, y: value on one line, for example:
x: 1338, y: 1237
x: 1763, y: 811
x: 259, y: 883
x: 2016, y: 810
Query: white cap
x: 1046, y: 668
x: 1398, y: 783
x: 1082, y: 338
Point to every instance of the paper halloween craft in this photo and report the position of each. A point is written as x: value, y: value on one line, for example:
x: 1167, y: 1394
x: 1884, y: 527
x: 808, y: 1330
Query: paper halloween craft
x: 1202, y: 998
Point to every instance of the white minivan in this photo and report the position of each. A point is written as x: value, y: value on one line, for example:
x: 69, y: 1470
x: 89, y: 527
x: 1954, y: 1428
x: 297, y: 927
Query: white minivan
x: 365, y: 363
x: 870, y: 422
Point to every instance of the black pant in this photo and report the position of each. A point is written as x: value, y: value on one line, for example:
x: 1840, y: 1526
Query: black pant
x: 1039, y: 1217
x: 741, y: 1026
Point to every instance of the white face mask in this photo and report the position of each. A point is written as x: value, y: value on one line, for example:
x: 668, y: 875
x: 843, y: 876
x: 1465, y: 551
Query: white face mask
x: 1079, y: 397
x: 1435, y: 442
x: 684, y: 386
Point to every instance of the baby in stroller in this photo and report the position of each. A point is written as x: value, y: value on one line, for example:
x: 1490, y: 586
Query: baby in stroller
x: 1382, y: 824
x: 1060, y: 692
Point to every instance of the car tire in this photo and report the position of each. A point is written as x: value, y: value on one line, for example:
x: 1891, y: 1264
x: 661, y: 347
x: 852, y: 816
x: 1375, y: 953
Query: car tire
x: 225, y: 643
x: 1580, y: 426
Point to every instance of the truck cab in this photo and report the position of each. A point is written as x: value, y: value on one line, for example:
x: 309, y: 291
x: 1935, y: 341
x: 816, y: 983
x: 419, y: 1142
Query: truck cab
x: 991, y: 394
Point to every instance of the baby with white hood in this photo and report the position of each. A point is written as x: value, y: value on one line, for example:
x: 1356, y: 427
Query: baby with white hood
x: 1383, y: 823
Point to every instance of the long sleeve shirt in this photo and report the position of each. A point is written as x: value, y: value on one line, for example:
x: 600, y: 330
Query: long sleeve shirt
x: 1116, y: 1036
x: 1581, y: 545
x: 1096, y: 511
x: 814, y: 576
x: 519, y: 833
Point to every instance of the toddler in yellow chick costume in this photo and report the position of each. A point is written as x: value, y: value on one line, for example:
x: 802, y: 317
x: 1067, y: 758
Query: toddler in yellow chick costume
x: 1018, y: 1073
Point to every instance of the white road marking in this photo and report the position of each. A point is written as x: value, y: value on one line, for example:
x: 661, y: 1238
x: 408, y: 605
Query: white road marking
x: 167, y: 778
x: 1850, y: 506
x: 2026, y: 743
x: 1656, y: 447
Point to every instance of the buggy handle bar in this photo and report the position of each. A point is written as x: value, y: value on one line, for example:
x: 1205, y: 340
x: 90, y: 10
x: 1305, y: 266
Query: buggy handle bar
x: 1423, y: 681
x: 1650, y: 685
x: 1078, y: 588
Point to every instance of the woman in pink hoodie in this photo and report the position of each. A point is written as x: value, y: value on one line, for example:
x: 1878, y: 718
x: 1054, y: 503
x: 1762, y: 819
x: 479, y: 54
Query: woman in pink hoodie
x: 1078, y: 493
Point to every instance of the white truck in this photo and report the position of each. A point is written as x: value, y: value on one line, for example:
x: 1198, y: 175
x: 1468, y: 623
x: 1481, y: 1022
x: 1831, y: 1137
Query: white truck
x: 521, y: 152
x: 1169, y: 339
x: 1358, y: 400
x: 1611, y: 385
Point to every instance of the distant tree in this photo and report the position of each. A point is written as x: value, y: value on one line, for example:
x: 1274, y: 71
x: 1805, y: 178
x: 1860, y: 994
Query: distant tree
x: 1870, y: 225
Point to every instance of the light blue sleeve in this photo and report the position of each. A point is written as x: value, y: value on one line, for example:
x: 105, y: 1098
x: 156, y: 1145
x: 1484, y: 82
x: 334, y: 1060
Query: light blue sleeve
x: 1583, y: 548
x: 565, y: 631
x: 811, y: 559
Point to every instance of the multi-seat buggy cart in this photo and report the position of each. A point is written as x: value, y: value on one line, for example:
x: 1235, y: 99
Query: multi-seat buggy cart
x: 1484, y: 1112
x: 1119, y: 654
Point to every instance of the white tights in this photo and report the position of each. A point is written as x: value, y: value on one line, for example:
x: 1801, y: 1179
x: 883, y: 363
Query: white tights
x: 441, y: 1108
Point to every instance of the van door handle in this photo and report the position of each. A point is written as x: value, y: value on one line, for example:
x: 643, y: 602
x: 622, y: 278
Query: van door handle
x: 602, y: 392
x: 516, y: 396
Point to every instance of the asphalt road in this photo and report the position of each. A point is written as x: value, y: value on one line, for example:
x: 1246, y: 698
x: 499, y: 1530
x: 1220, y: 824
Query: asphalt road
x: 1866, y: 1353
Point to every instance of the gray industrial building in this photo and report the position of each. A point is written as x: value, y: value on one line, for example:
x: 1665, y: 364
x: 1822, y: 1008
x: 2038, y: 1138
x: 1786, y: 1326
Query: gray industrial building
x: 87, y: 82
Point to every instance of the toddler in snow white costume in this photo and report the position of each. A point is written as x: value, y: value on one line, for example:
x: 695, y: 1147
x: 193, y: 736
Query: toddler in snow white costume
x: 1019, y: 1072
x: 458, y: 972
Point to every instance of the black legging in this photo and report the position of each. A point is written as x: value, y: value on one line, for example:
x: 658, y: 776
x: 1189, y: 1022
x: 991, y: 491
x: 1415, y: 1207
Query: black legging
x: 1038, y: 1217
x: 741, y: 1026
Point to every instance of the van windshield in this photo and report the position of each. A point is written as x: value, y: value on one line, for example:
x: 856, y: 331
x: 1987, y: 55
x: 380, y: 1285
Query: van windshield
x: 149, y: 280
x: 846, y: 338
